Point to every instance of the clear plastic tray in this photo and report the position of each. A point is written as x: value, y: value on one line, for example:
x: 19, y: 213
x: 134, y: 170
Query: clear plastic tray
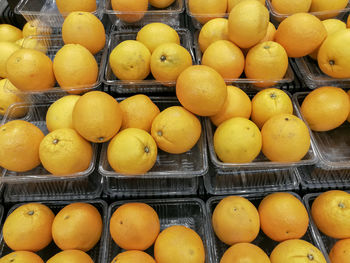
x: 287, y: 79
x: 171, y: 15
x: 189, y: 212
x: 149, y: 84
x: 262, y: 241
x: 54, y: 43
x: 172, y: 174
x: 46, y: 11
x: 96, y: 253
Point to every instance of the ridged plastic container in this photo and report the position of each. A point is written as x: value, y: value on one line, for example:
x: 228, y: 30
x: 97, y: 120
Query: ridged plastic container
x: 172, y: 15
x: 39, y: 184
x: 172, y: 174
x: 189, y: 212
x: 148, y: 85
x: 262, y: 241
x: 47, y: 12
x: 96, y: 253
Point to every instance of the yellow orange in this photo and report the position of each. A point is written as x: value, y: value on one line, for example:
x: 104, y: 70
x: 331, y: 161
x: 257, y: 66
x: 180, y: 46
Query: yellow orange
x: 130, y: 11
x: 21, y: 257
x: 244, y: 252
x: 133, y: 256
x: 213, y: 30
x: 67, y: 6
x: 9, y: 95
x: 6, y: 50
x: 329, y: 8
x: 36, y: 27
x: 34, y: 43
x: 71, y: 256
x: 288, y: 8
x: 270, y: 33
x: 9, y: 33
x: 232, y: 3
x: 340, y: 252
x: 161, y: 3
x: 348, y: 119
x: 205, y: 10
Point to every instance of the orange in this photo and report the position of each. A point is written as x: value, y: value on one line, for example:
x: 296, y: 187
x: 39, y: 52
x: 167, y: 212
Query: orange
x: 288, y: 8
x: 138, y: 112
x: 176, y: 130
x: 77, y: 226
x: 235, y: 220
x: 268, y: 103
x: 30, y: 70
x: 205, y: 10
x: 270, y: 33
x: 19, y: 146
x: 244, y: 252
x: 283, y: 217
x: 97, y: 116
x: 132, y: 151
x: 168, y: 61
x: 85, y: 29
x: 213, y: 30
x: 59, y: 114
x: 348, y: 22
x: 201, y: 90
x: 340, y: 252
x: 285, y: 138
x: 300, y: 34
x: 75, y: 68
x: 348, y: 119
x: 130, y: 60
x: 237, y: 140
x: 21, y: 257
x: 244, y: 31
x: 33, y: 42
x: 237, y: 104
x: 330, y: 212
x: 161, y: 3
x: 67, y: 6
x: 332, y: 106
x: 330, y: 7
x: 65, y: 152
x: 28, y: 227
x: 134, y: 226
x: 133, y: 256
x: 333, y: 55
x: 164, y: 33
x: 232, y: 3
x: 36, y: 27
x: 130, y: 10
x: 266, y: 61
x: 179, y: 244
x: 296, y: 249
x: 6, y: 50
x: 71, y: 256
x: 9, y: 33
x: 225, y: 57
x: 8, y: 96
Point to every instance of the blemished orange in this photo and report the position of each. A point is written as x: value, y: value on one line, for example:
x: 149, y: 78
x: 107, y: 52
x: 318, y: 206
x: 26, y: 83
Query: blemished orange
x: 300, y: 34
x: 165, y: 34
x: 134, y: 226
x: 285, y: 138
x: 201, y: 90
x: 283, y: 217
x: 168, y: 61
x: 268, y: 103
x: 77, y: 226
x: 65, y: 152
x: 130, y: 60
x: 205, y: 10
x: 176, y: 130
x: 332, y: 104
x: 266, y: 61
x: 330, y: 212
x: 21, y: 257
x: 28, y: 227
x: 132, y: 152
x: 130, y: 11
x: 30, y: 70
x: 225, y: 57
x: 329, y: 7
x: 161, y: 3
x: 237, y: 104
x: 97, y: 116
x: 138, y: 112
x: 213, y: 30
x: 244, y: 252
x: 71, y: 256
x: 287, y: 7
x: 9, y: 95
x: 179, y: 244
x: 75, y: 68
x: 288, y: 251
x: 270, y: 33
x: 237, y: 140
x: 333, y: 55
x: 236, y: 220
x: 244, y: 31
x: 232, y: 3
x: 10, y: 33
x: 85, y: 29
x: 6, y: 50
x: 340, y: 252
x: 67, y: 6
x: 19, y: 146
x: 132, y: 256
